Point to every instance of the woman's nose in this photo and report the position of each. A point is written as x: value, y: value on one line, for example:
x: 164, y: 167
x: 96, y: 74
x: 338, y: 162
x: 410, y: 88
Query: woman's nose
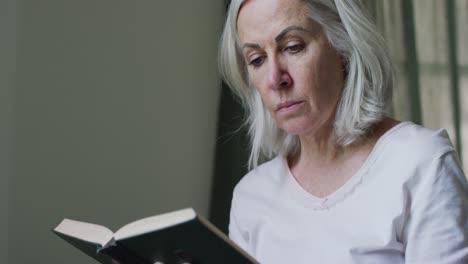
x: 278, y: 75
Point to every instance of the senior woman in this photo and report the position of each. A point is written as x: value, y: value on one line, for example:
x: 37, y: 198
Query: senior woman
x: 344, y: 183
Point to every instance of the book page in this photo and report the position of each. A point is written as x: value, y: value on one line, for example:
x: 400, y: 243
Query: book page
x: 154, y: 223
x: 93, y: 233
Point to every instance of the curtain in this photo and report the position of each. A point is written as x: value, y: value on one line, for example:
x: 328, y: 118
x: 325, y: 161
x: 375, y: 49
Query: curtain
x: 428, y: 40
x: 428, y: 43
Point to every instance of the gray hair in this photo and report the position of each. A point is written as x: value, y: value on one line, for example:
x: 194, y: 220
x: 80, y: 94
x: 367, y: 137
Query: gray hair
x: 367, y: 87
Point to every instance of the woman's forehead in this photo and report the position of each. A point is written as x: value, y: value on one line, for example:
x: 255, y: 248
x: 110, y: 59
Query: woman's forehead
x: 266, y: 17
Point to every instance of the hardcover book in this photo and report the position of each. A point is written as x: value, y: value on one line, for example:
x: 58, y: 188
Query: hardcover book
x: 173, y: 238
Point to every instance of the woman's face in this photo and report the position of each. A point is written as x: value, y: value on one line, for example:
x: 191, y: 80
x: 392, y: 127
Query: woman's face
x: 290, y: 62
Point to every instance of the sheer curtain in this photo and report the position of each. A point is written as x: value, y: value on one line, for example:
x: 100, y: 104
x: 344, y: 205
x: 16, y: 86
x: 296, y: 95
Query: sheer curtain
x: 428, y: 43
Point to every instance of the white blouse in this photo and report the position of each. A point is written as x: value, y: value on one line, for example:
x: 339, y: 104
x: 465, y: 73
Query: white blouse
x: 408, y: 203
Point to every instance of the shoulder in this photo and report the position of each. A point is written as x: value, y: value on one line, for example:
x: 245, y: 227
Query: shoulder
x: 414, y: 142
x: 421, y: 159
x: 267, y: 174
x: 409, y: 155
x: 260, y: 183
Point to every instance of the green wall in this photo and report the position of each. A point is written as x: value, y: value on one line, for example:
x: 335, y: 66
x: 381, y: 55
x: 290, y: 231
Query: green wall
x: 115, y: 116
x: 7, y: 83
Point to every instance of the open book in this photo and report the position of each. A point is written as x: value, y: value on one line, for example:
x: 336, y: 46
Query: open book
x: 177, y: 237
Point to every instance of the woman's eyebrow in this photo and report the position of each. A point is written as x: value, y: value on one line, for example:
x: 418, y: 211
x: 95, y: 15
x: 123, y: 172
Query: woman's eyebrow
x: 285, y: 31
x: 278, y: 38
x: 251, y: 45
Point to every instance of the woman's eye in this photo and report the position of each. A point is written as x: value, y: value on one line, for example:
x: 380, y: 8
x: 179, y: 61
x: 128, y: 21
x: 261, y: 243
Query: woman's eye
x: 294, y: 48
x: 256, y: 62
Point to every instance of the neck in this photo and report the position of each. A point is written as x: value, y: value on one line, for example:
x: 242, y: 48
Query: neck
x: 320, y: 146
x: 321, y: 166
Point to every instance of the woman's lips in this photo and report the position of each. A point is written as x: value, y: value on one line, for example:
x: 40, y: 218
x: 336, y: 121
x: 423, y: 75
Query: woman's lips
x: 289, y: 106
